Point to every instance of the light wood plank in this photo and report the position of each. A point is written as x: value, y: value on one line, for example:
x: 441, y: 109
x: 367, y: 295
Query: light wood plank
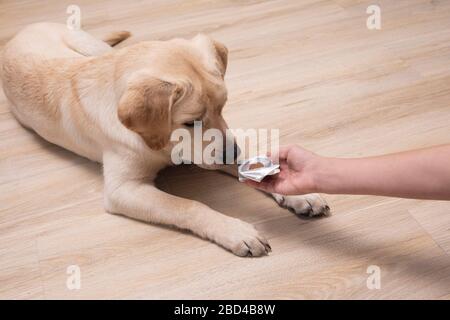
x: 310, y: 68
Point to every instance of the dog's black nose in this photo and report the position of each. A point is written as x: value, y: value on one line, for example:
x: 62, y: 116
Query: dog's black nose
x: 230, y: 155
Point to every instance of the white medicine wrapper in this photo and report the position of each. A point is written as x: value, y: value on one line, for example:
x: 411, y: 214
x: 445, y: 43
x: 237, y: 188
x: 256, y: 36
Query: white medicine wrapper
x: 259, y: 173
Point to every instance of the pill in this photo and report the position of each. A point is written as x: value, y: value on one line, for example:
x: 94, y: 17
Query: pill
x: 256, y: 165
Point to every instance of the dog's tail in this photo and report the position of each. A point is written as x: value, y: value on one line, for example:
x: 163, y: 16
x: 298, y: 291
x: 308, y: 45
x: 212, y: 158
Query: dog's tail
x: 116, y: 37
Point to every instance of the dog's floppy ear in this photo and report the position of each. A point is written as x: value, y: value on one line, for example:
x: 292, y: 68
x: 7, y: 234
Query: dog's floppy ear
x: 214, y: 52
x: 145, y: 108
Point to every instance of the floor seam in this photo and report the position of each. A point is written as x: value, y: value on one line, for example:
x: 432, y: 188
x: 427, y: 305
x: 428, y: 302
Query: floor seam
x: 427, y: 232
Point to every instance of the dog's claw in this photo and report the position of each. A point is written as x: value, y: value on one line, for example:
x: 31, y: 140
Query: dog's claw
x: 243, y: 239
x: 310, y: 205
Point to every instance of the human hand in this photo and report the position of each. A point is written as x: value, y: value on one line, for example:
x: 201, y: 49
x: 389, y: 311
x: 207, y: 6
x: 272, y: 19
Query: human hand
x: 418, y: 174
x: 296, y: 176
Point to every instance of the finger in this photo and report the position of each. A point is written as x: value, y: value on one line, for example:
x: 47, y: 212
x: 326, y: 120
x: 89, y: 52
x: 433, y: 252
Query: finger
x: 281, y: 154
x: 256, y: 185
x: 263, y: 185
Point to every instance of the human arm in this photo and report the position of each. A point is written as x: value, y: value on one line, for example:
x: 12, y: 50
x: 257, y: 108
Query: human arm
x: 422, y: 174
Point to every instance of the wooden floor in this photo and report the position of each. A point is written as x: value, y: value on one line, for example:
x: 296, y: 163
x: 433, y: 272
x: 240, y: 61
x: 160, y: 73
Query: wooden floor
x: 310, y: 68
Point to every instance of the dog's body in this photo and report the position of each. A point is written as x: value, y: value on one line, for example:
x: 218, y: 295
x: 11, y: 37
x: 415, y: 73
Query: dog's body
x: 118, y: 107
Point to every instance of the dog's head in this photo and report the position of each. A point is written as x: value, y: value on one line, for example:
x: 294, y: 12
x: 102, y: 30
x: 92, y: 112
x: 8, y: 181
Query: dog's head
x: 170, y: 85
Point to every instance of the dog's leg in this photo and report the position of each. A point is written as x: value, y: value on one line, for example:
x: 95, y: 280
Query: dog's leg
x: 309, y: 204
x: 142, y: 201
x: 139, y: 199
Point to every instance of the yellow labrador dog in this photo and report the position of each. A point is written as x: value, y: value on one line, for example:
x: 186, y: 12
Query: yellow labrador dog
x: 119, y: 107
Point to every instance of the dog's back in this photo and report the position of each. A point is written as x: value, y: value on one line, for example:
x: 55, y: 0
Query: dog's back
x: 37, y: 70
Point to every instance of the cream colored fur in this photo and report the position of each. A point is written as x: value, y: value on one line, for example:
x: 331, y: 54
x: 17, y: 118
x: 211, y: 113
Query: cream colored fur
x: 118, y: 107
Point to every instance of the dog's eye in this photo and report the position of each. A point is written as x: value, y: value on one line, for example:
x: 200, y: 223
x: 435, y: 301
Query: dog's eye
x: 191, y: 123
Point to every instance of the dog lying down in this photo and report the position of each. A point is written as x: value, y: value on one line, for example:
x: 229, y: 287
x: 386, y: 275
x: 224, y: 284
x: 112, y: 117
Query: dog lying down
x: 119, y: 107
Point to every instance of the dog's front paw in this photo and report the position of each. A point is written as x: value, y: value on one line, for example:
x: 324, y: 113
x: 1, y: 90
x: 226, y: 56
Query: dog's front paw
x: 310, y: 205
x: 242, y: 239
